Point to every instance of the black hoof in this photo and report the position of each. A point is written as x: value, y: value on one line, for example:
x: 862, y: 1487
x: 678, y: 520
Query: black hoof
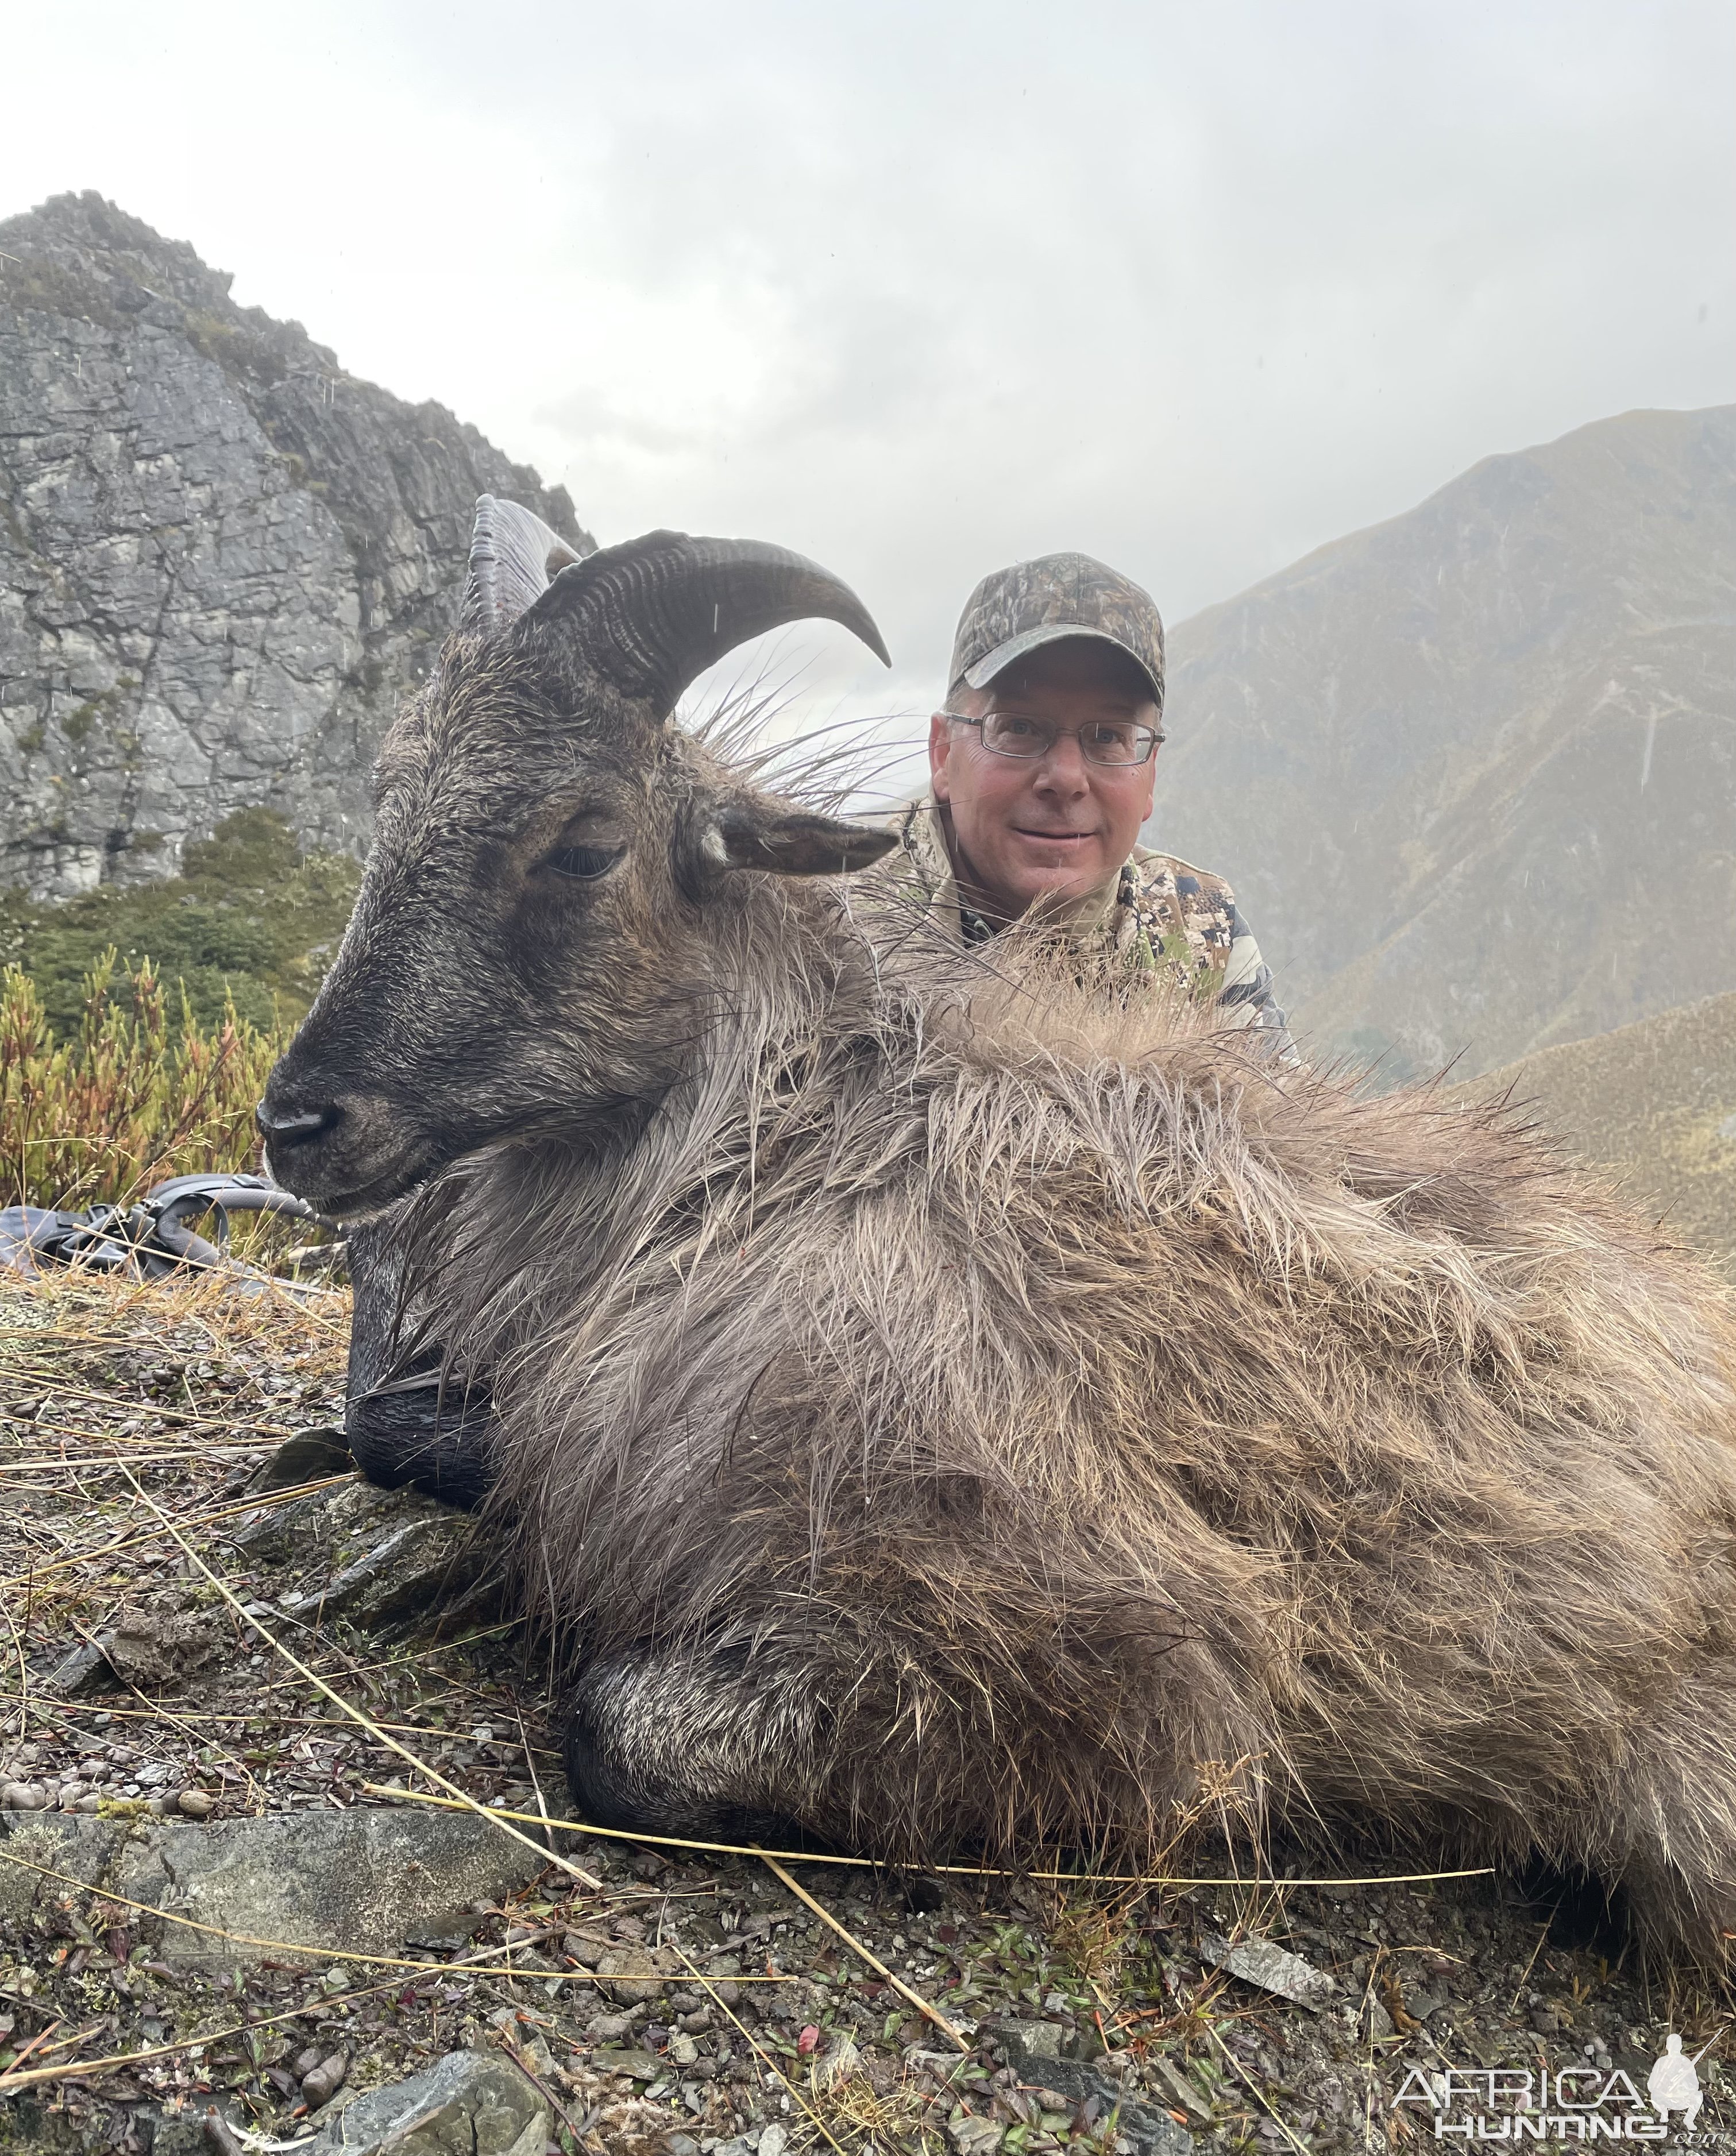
x: 1580, y: 1912
x: 443, y: 1449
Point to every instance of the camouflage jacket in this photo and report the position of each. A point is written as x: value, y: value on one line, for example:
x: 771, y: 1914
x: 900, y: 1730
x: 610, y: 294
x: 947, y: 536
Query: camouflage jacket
x: 1162, y: 916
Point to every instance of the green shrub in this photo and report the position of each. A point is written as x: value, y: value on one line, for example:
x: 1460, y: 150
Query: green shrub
x: 246, y: 930
x: 129, y: 1098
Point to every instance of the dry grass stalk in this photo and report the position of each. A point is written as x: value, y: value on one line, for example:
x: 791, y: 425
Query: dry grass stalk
x: 944, y: 1871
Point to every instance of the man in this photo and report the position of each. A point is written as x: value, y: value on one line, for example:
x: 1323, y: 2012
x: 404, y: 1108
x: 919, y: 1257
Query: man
x: 1043, y: 766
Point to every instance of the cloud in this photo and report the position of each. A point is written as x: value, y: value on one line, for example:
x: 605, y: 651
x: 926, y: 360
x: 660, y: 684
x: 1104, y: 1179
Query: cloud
x: 919, y: 290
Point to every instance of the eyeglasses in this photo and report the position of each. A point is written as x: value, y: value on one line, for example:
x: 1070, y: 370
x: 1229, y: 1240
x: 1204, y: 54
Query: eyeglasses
x: 1117, y: 743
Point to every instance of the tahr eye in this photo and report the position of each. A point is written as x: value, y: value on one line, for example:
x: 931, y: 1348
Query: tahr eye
x: 585, y: 862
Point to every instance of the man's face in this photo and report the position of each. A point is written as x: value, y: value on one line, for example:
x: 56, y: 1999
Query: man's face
x: 1055, y: 827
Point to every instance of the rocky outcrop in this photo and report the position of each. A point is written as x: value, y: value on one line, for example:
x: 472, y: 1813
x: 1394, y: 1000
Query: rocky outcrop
x: 221, y: 559
x: 1473, y: 772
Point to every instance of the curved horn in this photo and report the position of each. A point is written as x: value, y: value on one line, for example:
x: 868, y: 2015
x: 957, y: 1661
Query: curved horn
x: 513, y: 555
x: 652, y: 614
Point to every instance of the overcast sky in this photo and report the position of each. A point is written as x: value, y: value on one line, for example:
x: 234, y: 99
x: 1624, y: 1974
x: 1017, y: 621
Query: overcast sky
x: 922, y: 289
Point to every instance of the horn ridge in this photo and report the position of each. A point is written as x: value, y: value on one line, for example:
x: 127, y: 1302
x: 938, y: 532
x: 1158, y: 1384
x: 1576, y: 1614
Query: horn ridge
x: 513, y: 555
x: 652, y: 613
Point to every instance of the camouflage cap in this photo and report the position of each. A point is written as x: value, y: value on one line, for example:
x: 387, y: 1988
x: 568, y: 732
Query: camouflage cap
x: 1014, y: 610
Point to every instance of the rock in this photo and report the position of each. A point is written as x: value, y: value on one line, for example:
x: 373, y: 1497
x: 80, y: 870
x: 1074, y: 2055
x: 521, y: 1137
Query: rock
x: 158, y: 1645
x: 680, y: 2144
x: 323, y: 2081
x: 436, y: 1563
x: 376, y: 1557
x: 223, y: 561
x: 209, y: 2126
x: 633, y: 1975
x: 220, y: 2135
x: 641, y: 2065
x: 972, y: 2136
x: 608, y: 2028
x: 773, y: 2139
x: 366, y: 1878
x: 1147, y: 2133
x: 81, y: 1847
x: 21, y: 1796
x: 86, y: 1669
x: 471, y: 2103
x: 308, y: 1456
x: 196, y: 1804
x: 1271, y: 1968
x: 1034, y: 2039
x: 834, y: 2065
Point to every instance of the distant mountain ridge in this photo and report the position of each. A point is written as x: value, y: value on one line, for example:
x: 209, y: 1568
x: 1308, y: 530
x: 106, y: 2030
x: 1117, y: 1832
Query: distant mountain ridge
x: 1473, y: 772
x: 223, y: 560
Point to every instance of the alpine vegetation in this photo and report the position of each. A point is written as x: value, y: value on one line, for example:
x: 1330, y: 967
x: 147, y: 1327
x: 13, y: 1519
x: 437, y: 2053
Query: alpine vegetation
x: 954, y: 1401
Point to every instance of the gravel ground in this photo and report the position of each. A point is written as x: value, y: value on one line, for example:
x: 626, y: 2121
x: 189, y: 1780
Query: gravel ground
x: 691, y: 2003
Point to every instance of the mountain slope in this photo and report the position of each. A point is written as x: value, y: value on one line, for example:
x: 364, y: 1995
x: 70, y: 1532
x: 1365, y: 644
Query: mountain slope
x: 222, y: 560
x: 1473, y: 772
x: 1656, y: 1102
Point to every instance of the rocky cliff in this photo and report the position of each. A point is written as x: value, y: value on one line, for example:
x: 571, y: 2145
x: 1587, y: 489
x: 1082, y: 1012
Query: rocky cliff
x: 1473, y: 772
x: 221, y: 559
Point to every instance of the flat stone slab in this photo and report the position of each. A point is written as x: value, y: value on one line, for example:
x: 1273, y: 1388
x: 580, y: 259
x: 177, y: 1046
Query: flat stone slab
x: 469, y: 2103
x: 1271, y: 1967
x: 310, y: 1882
x: 56, y: 1841
x: 379, y: 1558
x: 366, y: 1879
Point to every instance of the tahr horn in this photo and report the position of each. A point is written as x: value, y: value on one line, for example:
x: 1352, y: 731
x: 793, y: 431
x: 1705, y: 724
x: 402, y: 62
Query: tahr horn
x: 651, y: 614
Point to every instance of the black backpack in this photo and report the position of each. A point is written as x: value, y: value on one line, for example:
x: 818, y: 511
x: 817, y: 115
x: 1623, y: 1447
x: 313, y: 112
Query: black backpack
x: 149, y: 1240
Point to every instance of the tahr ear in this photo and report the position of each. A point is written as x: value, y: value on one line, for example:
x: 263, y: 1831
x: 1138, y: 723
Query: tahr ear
x: 740, y: 832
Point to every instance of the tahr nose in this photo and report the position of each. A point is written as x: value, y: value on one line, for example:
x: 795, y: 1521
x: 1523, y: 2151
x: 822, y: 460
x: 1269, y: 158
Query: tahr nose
x: 285, y: 1130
